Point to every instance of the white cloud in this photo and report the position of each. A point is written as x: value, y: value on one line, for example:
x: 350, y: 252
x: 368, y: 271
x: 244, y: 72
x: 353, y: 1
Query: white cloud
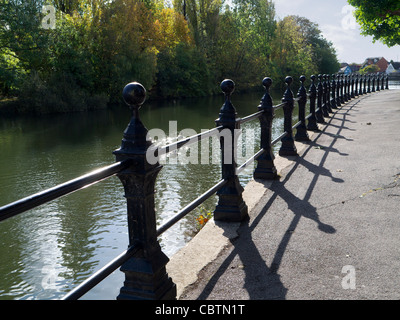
x: 333, y: 19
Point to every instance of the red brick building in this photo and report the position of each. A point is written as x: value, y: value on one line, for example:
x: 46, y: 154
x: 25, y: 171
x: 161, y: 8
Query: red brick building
x: 381, y: 62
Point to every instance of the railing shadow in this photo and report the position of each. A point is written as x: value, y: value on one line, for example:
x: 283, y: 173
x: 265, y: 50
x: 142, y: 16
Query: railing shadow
x: 262, y: 281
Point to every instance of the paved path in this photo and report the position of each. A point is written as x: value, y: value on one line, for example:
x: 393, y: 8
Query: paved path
x: 330, y: 227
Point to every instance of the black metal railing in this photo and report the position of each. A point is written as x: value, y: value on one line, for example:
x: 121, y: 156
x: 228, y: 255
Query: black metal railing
x: 144, y: 262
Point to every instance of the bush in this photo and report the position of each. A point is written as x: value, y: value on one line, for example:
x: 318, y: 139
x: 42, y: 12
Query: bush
x: 183, y: 72
x: 59, y: 94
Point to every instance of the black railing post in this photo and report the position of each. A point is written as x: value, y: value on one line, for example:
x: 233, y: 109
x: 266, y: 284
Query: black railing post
x: 324, y: 97
x: 373, y: 82
x: 333, y: 86
x: 338, y: 86
x: 145, y: 273
x: 231, y: 206
x: 356, y: 85
x: 342, y: 89
x: 265, y: 163
x: 345, y: 96
x: 312, y: 120
x: 382, y: 81
x: 320, y: 92
x: 369, y: 83
x: 301, y: 130
x: 349, y: 87
x: 288, y: 147
x: 352, y: 86
x: 378, y: 86
x: 365, y: 84
x: 387, y: 82
x: 328, y: 93
x: 360, y: 91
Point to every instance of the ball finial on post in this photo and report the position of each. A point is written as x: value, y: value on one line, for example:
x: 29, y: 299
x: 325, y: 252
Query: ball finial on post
x: 267, y: 82
x: 134, y: 94
x: 288, y: 80
x: 227, y: 87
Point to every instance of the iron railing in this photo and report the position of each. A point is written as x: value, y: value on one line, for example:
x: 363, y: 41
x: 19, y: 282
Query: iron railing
x: 143, y: 262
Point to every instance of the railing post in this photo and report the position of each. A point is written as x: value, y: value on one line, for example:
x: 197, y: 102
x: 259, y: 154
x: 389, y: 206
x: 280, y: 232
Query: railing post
x: 365, y: 84
x: 378, y: 87
x: 349, y: 87
x: 345, y: 90
x: 352, y: 86
x: 265, y: 163
x: 312, y: 120
x: 333, y: 86
x: 360, y: 91
x: 338, y: 86
x: 342, y: 89
x: 356, y: 85
x: 324, y: 97
x: 382, y: 82
x: 231, y: 206
x: 369, y: 83
x: 373, y: 82
x: 301, y: 130
x: 387, y: 82
x: 328, y: 93
x: 288, y: 147
x: 145, y: 273
x: 320, y: 92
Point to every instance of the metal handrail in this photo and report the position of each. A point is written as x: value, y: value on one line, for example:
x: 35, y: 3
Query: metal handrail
x: 187, y: 141
x: 104, y: 272
x: 68, y: 187
x: 191, y: 206
x: 48, y: 195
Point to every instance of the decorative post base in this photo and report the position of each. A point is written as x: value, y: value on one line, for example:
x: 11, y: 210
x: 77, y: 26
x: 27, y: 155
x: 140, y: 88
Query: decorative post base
x: 147, y: 280
x: 231, y: 206
x: 265, y: 168
x: 288, y: 148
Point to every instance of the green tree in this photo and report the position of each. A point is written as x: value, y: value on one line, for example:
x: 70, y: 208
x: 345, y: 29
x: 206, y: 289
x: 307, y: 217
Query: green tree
x: 379, y: 19
x: 322, y: 51
x: 21, y: 33
x: 291, y: 54
x: 373, y: 68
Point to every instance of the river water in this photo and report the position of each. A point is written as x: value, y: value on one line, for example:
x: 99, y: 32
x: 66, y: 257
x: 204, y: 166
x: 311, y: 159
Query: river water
x: 47, y: 251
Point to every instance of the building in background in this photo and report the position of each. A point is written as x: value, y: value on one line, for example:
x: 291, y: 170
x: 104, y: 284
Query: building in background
x: 381, y: 62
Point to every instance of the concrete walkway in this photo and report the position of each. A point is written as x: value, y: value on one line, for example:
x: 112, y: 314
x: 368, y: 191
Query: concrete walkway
x: 329, y: 228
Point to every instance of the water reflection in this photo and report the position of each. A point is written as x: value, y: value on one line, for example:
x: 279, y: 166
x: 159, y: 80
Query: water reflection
x: 49, y: 250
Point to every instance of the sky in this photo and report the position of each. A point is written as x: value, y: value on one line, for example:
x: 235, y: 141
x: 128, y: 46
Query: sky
x: 335, y: 20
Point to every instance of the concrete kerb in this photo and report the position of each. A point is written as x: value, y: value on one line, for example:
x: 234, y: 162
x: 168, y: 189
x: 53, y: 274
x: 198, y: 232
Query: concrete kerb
x: 185, y: 265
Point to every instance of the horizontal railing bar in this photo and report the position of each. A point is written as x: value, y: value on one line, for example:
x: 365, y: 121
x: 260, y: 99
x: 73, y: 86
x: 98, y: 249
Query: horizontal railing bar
x: 45, y: 196
x: 101, y: 274
x: 187, y: 141
x: 279, y: 138
x: 250, y: 117
x: 296, y: 125
x: 309, y: 116
x: 191, y: 206
x: 279, y: 105
x: 250, y: 160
